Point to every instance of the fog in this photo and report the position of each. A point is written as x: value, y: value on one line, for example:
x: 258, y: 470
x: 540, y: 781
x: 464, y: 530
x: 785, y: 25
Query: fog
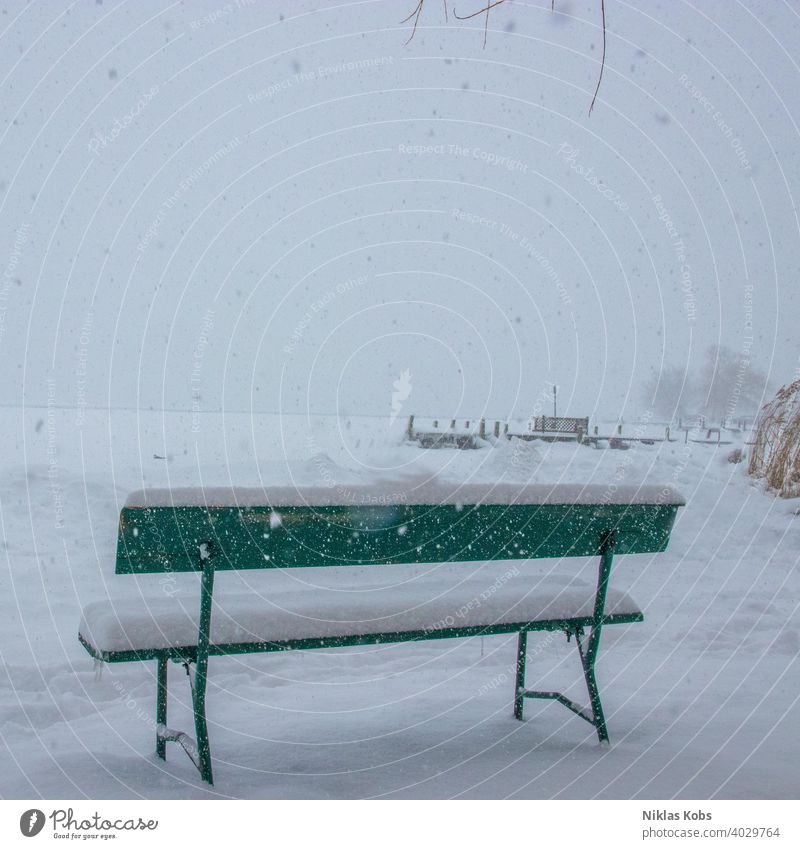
x: 285, y: 206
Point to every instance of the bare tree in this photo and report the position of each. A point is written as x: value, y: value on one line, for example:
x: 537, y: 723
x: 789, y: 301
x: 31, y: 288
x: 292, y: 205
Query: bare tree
x: 729, y: 384
x: 726, y: 386
x: 670, y: 393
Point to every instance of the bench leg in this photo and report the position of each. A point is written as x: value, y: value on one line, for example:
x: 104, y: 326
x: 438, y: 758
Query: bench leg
x: 201, y: 674
x: 161, y: 707
x: 596, y: 716
x: 588, y: 658
x: 198, y: 749
x: 519, y: 688
x: 201, y: 727
x: 588, y: 655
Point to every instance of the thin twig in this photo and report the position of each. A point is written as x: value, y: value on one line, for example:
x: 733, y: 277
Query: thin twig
x: 485, y: 9
x: 603, y: 60
x: 415, y: 14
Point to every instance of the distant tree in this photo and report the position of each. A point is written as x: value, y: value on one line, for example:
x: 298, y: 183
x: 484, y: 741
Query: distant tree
x: 729, y: 385
x: 669, y: 393
x: 726, y: 386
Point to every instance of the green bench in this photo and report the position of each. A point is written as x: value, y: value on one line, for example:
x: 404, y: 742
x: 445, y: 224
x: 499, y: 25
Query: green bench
x: 205, y: 531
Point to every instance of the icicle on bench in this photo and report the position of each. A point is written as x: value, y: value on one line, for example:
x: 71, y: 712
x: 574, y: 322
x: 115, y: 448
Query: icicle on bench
x: 205, y: 531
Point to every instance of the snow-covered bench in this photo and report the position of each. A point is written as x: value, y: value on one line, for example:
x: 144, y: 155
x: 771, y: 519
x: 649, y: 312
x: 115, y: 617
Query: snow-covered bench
x: 209, y: 530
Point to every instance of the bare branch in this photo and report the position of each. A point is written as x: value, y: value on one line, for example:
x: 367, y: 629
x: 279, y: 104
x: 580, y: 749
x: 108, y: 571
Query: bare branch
x: 603, y: 60
x: 484, y: 10
x: 415, y: 15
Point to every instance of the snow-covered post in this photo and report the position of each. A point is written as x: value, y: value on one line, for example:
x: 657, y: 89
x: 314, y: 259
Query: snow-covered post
x: 410, y: 428
x: 497, y: 430
x: 482, y: 429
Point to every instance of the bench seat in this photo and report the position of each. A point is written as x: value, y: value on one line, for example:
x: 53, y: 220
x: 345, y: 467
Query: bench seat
x: 498, y: 602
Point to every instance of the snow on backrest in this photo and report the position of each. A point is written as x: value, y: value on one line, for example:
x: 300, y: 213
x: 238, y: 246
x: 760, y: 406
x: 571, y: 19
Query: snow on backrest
x: 394, y: 493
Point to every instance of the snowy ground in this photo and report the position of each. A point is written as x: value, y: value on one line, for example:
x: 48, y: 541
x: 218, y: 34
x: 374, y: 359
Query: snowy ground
x: 700, y: 698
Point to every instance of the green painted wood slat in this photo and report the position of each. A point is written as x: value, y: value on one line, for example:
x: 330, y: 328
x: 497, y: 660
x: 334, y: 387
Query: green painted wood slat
x: 169, y: 539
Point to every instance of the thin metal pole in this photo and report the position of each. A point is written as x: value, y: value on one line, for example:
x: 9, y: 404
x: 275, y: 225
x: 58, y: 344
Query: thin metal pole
x: 201, y: 675
x: 519, y: 701
x: 161, y: 707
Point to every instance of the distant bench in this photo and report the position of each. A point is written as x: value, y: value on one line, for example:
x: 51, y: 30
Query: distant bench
x: 204, y: 531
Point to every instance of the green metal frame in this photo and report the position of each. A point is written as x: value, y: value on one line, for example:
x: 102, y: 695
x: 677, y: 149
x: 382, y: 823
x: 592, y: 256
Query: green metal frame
x: 198, y: 749
x: 190, y: 538
x: 588, y: 655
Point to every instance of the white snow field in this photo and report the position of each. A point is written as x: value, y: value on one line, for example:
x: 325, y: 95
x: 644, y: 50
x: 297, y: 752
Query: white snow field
x: 701, y: 698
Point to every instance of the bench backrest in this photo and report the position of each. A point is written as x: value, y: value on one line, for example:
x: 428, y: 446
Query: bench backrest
x: 177, y: 530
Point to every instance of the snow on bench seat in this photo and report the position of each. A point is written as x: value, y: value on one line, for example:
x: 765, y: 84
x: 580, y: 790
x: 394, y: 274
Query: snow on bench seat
x: 316, y: 613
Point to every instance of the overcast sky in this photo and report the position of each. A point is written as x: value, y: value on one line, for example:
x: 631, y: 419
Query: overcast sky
x: 286, y: 206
